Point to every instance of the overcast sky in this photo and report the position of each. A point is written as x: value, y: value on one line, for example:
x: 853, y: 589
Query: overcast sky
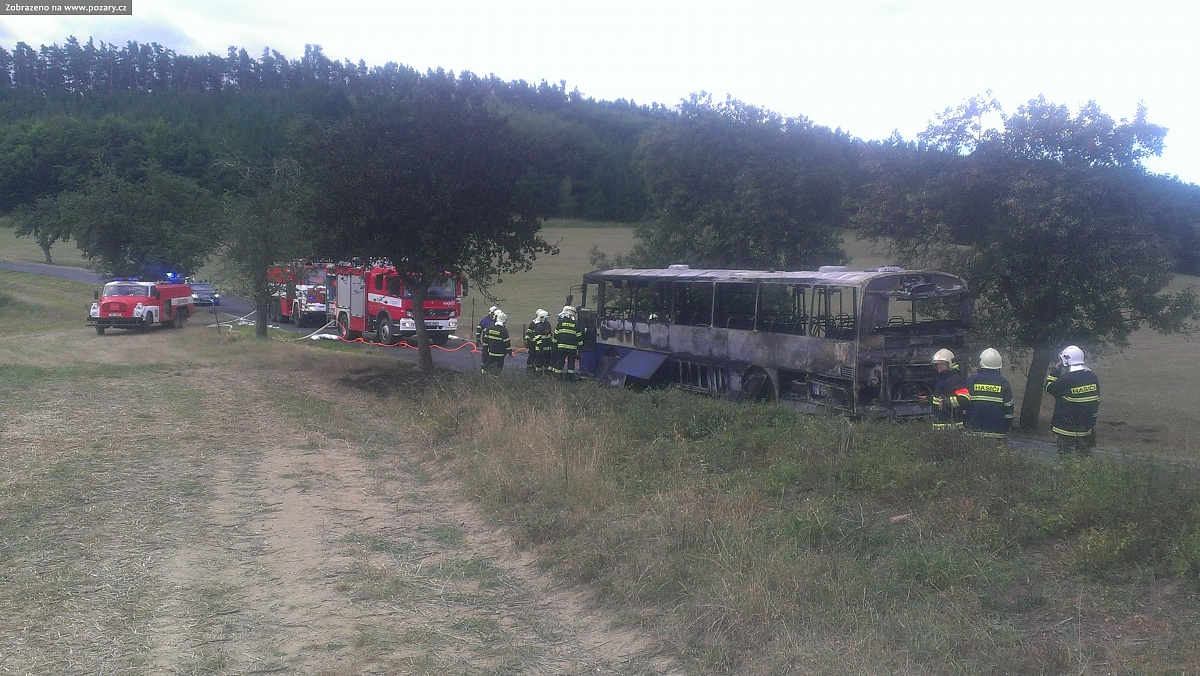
x: 866, y: 66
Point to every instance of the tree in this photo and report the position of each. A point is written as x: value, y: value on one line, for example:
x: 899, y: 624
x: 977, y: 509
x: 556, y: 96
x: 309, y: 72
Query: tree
x: 263, y: 227
x: 1049, y: 220
x: 734, y: 186
x: 430, y: 178
x: 44, y: 222
x: 162, y: 223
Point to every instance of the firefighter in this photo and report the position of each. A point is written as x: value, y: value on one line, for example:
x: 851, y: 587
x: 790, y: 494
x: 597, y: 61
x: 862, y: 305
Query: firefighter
x: 1076, y: 392
x: 497, y: 344
x: 568, y: 338
x: 989, y: 399
x: 949, y: 391
x: 479, y: 338
x: 538, y: 341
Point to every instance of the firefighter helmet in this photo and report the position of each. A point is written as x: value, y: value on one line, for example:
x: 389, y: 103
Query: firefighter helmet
x: 492, y: 310
x: 567, y: 311
x: 501, y: 318
x: 990, y: 359
x: 1071, y: 356
x: 542, y: 315
x: 943, y: 355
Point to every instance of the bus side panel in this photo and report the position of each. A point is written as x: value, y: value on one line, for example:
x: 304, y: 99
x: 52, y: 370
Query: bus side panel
x: 817, y: 356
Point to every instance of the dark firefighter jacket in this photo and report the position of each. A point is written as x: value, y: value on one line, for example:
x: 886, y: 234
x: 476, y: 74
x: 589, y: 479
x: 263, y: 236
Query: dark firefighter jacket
x: 538, y: 336
x: 948, y: 387
x: 568, y: 337
x: 989, y: 404
x: 497, y: 341
x: 1076, y: 402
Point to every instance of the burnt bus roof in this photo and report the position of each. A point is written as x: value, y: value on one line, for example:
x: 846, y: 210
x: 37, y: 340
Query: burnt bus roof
x: 941, y: 281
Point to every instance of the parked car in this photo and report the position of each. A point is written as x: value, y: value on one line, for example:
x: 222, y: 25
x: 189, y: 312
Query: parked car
x: 204, y: 293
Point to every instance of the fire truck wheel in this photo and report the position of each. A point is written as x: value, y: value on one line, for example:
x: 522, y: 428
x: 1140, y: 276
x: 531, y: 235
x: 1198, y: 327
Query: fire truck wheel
x: 344, y: 331
x: 385, y: 332
x: 99, y: 330
x: 147, y: 319
x: 439, y: 339
x: 179, y: 320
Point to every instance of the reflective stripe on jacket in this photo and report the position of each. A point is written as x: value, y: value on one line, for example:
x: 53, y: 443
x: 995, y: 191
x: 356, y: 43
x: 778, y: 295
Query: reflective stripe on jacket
x: 1076, y: 402
x: 989, y: 404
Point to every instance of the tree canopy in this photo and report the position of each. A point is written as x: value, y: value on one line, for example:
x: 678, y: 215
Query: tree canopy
x: 735, y: 186
x: 160, y: 223
x: 430, y: 178
x: 1050, y: 220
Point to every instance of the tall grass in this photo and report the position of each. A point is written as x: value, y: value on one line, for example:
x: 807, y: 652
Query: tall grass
x: 763, y: 540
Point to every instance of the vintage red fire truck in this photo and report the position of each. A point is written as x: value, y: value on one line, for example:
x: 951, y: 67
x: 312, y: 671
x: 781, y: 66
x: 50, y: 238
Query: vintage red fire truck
x: 298, y: 293
x: 373, y: 298
x: 130, y: 303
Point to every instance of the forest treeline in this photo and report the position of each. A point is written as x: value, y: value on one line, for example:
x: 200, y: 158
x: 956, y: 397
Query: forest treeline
x: 74, y: 108
x: 82, y: 108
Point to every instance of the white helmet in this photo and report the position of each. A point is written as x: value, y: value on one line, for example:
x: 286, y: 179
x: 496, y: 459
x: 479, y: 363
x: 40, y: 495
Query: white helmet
x: 492, y: 310
x: 990, y: 359
x: 567, y: 311
x: 942, y: 355
x: 501, y: 318
x: 541, y: 315
x: 1071, y: 357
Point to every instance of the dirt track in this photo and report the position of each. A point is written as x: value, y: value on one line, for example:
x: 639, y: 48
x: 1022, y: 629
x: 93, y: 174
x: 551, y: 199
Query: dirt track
x: 257, y: 540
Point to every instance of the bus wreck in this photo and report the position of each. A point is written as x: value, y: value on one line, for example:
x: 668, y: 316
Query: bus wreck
x: 834, y: 339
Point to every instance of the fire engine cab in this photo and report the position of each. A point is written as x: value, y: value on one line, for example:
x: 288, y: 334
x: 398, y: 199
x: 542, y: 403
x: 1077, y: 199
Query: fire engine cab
x: 130, y: 303
x: 298, y: 292
x: 374, y: 298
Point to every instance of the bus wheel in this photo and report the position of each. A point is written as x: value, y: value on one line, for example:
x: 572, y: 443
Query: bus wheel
x: 757, y: 386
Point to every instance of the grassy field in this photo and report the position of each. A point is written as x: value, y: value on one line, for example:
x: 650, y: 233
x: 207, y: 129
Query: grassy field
x: 1150, y: 405
x: 199, y: 501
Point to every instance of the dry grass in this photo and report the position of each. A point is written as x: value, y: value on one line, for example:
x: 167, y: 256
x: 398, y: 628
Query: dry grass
x: 208, y: 503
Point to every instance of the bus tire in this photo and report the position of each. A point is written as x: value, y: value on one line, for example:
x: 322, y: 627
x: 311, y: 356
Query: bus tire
x: 762, y: 387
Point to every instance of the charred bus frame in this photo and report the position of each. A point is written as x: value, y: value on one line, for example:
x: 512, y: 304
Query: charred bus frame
x: 833, y: 339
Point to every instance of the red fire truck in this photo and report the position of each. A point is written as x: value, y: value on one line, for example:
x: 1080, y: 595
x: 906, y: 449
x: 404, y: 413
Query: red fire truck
x: 373, y: 298
x: 298, y: 292
x: 130, y: 303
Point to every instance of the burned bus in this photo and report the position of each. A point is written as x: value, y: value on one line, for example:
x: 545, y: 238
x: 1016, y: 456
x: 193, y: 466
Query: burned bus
x: 833, y: 339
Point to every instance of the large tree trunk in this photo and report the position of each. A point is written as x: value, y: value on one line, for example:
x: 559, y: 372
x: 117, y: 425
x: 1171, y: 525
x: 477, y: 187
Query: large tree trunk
x: 262, y: 303
x: 424, y: 352
x: 1031, y: 403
